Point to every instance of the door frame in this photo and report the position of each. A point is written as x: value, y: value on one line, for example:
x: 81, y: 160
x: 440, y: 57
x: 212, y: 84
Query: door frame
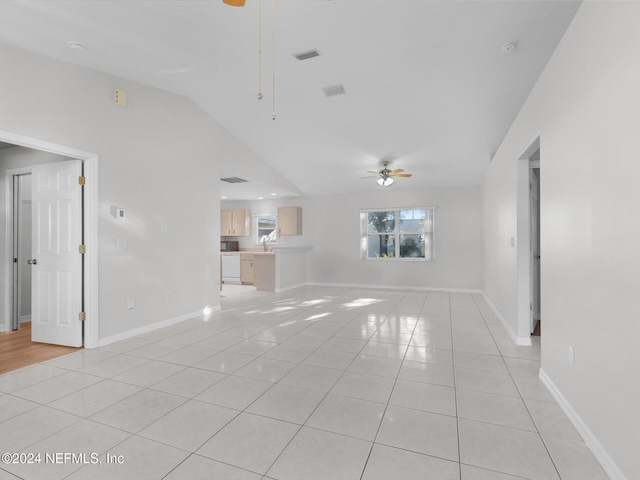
x: 91, y: 217
x: 524, y: 274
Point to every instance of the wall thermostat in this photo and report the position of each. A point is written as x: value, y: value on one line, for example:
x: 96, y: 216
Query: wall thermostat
x: 118, y: 212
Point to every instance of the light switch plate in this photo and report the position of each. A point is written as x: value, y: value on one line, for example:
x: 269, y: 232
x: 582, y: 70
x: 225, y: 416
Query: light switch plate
x: 572, y: 356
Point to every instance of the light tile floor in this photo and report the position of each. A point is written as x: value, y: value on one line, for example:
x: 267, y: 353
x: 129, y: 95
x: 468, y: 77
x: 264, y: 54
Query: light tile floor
x: 318, y: 383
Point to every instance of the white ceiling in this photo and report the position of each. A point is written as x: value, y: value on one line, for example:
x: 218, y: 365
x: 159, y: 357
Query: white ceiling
x: 428, y: 85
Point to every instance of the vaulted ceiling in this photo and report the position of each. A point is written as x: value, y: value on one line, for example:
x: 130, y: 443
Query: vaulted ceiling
x: 428, y: 84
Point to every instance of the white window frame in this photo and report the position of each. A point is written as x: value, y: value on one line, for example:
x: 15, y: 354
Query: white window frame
x: 256, y: 230
x: 364, y: 235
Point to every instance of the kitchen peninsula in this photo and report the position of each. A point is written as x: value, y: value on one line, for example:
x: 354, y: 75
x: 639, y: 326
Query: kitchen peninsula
x: 282, y: 269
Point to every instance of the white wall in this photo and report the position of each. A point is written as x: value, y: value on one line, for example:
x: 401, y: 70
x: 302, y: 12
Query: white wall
x: 585, y: 108
x: 331, y: 225
x: 159, y: 159
x: 336, y: 257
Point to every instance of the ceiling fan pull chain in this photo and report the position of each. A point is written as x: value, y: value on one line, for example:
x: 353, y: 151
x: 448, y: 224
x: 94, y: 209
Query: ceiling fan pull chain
x: 259, y: 49
x: 273, y: 66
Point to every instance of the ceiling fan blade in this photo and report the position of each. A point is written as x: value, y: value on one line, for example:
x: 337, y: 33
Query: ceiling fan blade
x: 397, y: 170
x: 403, y: 175
x: 370, y: 176
x: 369, y: 171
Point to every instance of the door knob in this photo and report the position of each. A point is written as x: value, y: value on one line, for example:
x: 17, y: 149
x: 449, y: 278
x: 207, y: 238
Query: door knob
x: 32, y: 262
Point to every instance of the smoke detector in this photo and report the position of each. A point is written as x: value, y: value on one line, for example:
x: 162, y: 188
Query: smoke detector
x: 75, y: 45
x: 509, y: 47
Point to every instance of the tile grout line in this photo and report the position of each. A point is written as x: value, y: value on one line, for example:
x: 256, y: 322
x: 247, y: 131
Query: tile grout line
x: 323, y: 398
x: 521, y: 399
x: 257, y: 398
x: 455, y: 392
x: 364, y: 467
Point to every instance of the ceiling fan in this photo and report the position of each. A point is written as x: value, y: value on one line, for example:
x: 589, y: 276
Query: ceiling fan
x: 386, y: 176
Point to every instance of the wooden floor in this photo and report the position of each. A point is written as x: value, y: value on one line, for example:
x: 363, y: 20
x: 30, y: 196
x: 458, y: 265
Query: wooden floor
x: 17, y: 350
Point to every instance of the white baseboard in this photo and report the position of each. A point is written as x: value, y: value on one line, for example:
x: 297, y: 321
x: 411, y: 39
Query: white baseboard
x: 291, y: 287
x: 150, y: 328
x: 587, y: 435
x: 394, y: 287
x: 7, y: 328
x: 523, y: 341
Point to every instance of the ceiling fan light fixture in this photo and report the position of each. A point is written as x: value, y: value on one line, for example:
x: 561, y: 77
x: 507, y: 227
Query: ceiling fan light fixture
x: 385, y: 181
x: 235, y: 3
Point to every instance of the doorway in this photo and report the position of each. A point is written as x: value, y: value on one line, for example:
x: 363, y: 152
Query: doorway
x: 54, y: 261
x: 528, y: 243
x: 534, y: 219
x: 21, y: 346
x: 89, y: 217
x: 22, y: 239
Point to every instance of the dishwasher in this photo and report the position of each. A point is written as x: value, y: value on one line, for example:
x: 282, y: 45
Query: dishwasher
x: 231, y: 268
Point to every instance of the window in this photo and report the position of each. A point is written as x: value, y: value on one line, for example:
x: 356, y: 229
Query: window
x: 265, y: 228
x: 398, y: 233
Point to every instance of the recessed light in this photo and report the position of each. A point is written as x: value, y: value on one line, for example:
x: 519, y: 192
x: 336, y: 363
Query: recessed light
x: 260, y: 198
x: 509, y: 47
x: 75, y: 45
x: 223, y: 197
x: 274, y: 194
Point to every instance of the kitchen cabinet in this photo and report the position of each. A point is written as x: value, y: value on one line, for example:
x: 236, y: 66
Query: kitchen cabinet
x: 246, y: 268
x: 264, y: 272
x: 290, y: 221
x: 225, y: 222
x: 235, y: 223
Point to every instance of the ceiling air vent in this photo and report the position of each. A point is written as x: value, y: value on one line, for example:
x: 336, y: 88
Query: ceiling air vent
x: 233, y: 180
x: 333, y: 91
x: 308, y: 54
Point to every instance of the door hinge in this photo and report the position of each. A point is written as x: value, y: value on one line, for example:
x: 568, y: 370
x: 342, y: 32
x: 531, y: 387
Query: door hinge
x: 82, y: 249
x: 82, y: 180
x: 531, y: 307
x: 82, y: 316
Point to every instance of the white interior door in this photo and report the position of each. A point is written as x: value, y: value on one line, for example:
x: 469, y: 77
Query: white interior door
x: 56, y: 262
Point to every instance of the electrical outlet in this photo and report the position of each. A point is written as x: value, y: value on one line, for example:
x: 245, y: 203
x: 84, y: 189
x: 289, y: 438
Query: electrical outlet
x: 572, y: 356
x: 131, y: 303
